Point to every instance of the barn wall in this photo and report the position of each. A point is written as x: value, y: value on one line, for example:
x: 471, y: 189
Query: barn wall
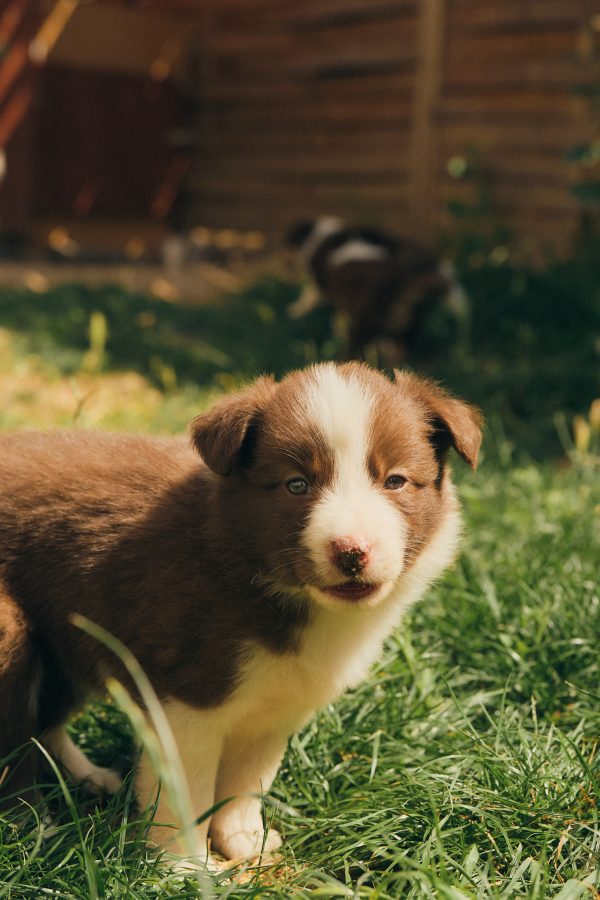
x: 354, y: 107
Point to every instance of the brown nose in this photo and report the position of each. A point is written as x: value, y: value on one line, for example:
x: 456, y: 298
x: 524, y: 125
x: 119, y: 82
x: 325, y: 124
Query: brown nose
x: 350, y: 555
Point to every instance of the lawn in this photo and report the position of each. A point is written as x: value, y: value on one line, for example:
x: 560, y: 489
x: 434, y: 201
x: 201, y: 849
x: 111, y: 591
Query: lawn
x: 468, y: 765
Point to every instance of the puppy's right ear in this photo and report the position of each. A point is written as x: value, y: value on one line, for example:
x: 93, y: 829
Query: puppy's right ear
x: 220, y: 434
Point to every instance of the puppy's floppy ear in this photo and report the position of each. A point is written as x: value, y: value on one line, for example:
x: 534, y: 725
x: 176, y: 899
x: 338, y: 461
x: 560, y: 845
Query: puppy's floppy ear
x: 219, y: 434
x: 455, y: 423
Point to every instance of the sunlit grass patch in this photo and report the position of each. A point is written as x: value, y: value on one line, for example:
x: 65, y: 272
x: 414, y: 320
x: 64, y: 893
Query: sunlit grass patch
x: 38, y: 394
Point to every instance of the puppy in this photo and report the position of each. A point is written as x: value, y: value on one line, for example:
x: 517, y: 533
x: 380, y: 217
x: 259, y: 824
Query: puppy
x: 381, y: 288
x: 254, y: 571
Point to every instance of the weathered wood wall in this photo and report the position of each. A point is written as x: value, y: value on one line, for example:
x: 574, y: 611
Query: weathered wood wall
x: 354, y: 107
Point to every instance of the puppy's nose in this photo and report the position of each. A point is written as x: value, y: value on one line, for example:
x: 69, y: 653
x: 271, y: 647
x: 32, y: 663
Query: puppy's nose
x: 350, y: 555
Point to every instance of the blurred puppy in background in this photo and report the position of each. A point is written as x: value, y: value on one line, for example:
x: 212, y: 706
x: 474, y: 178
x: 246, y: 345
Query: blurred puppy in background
x: 380, y: 287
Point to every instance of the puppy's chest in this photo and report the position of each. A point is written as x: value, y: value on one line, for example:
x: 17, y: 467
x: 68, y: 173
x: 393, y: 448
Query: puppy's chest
x: 335, y: 653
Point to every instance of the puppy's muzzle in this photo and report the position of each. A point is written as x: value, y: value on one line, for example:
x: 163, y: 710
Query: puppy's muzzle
x: 349, y: 555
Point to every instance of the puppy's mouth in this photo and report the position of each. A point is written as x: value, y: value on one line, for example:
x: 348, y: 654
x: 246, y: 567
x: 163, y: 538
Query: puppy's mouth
x: 351, y: 590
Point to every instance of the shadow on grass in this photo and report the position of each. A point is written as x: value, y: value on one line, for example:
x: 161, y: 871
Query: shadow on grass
x: 244, y: 334
x: 526, y: 352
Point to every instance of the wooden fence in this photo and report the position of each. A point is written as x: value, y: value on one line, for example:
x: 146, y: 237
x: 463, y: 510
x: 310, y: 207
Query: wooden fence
x: 365, y: 108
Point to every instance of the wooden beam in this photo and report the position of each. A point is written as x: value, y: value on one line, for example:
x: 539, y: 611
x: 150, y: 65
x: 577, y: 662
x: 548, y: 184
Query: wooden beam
x: 13, y: 113
x: 11, y: 19
x: 105, y: 37
x: 51, y: 30
x: 11, y: 69
x: 428, y: 87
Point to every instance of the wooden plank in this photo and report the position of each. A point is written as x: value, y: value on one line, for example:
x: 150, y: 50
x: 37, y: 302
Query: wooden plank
x: 278, y: 116
x: 334, y: 64
x: 513, y: 14
x: 487, y: 135
x: 14, y: 112
x: 363, y: 43
x: 522, y: 44
x: 271, y: 191
x: 375, y: 194
x: 12, y: 68
x: 259, y: 90
x: 311, y: 160
x: 396, y: 33
x: 319, y: 13
x: 516, y: 101
x: 252, y: 42
x: 532, y: 116
x: 106, y: 37
x: 11, y: 20
x: 309, y: 13
x: 270, y: 182
x: 427, y: 97
x: 370, y: 150
x: 467, y: 74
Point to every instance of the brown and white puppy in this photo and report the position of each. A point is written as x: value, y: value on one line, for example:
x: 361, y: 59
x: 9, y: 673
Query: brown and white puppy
x: 253, y: 586
x: 380, y: 287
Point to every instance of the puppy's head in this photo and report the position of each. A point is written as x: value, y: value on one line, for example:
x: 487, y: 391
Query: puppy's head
x: 336, y: 476
x: 307, y: 235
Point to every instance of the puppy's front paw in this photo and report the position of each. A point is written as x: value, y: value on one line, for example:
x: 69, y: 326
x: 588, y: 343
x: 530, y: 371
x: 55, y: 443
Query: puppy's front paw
x: 246, y: 844
x: 104, y: 781
x: 192, y: 866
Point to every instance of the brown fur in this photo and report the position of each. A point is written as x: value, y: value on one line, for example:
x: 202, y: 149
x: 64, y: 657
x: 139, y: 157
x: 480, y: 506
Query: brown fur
x: 186, y: 563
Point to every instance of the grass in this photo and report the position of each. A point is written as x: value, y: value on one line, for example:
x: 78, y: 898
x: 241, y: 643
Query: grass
x: 468, y: 765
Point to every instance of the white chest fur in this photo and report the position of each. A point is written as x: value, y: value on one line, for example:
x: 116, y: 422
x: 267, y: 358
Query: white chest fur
x: 338, y: 646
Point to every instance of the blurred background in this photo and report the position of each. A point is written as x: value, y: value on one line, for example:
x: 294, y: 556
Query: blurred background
x: 154, y: 155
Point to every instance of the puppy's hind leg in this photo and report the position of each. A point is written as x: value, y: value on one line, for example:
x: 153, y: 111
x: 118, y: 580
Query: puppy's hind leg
x: 77, y: 765
x: 20, y: 677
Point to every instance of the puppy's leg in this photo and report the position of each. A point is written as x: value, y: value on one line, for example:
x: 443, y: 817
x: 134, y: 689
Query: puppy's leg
x: 309, y: 299
x: 78, y: 765
x: 248, y: 766
x: 198, y: 734
x: 20, y: 678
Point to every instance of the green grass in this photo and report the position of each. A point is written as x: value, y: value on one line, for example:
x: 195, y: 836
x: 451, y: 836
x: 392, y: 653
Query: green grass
x: 468, y: 765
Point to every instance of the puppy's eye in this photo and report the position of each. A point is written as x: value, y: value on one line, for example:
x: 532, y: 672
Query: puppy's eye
x: 395, y: 482
x: 297, y: 486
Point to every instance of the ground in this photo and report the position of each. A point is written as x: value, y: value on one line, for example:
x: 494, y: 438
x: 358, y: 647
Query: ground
x: 468, y: 765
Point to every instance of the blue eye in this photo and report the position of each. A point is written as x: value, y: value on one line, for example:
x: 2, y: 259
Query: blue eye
x: 297, y: 486
x: 395, y: 482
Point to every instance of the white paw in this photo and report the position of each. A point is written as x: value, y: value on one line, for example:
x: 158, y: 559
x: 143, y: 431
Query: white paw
x: 192, y: 866
x: 273, y: 840
x: 78, y: 766
x: 106, y: 781
x: 246, y: 844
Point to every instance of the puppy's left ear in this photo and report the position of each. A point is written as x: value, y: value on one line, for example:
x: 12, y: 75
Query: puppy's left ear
x: 454, y: 422
x: 222, y: 434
